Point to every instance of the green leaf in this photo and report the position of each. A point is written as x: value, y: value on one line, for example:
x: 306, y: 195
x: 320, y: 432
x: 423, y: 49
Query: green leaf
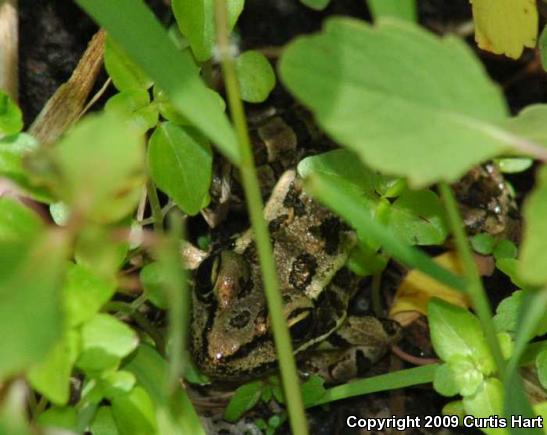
x: 318, y: 5
x: 134, y: 413
x: 483, y: 243
x: 115, y: 383
x: 534, y: 255
x: 365, y: 261
x: 101, y: 165
x: 467, y: 377
x: 196, y: 21
x: 510, y: 267
x: 403, y: 9
x: 135, y: 28
x: 31, y: 319
x: 417, y: 217
x: 255, y: 75
x: 125, y: 74
x: 455, y: 332
x: 103, y: 423
x: 486, y: 402
x: 151, y: 371
x: 105, y: 341
x: 541, y: 367
x: 11, y: 118
x: 180, y: 163
x: 59, y: 418
x: 99, y: 249
x: 244, y: 399
x: 362, y: 81
x: 153, y: 284
x: 505, y: 249
x: 513, y: 165
x: 13, y: 150
x: 134, y: 105
x: 313, y: 390
x: 51, y: 377
x: 444, y: 382
x: 542, y: 44
x: 85, y: 293
x: 18, y: 222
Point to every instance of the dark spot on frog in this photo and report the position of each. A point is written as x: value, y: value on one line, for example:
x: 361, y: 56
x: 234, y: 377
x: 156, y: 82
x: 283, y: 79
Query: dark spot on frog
x: 302, y: 271
x: 245, y: 286
x: 241, y: 319
x: 391, y: 327
x: 329, y: 231
x: 293, y: 201
x: 362, y: 362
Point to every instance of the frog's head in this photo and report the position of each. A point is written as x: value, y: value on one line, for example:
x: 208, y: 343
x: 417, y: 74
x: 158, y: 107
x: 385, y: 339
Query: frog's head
x: 238, y: 320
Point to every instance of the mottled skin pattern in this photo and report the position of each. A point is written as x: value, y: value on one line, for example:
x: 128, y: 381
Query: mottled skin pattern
x: 231, y: 335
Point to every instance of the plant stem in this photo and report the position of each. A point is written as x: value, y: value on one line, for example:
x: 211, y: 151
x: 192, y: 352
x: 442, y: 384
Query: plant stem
x: 475, y: 289
x: 282, y: 339
x: 155, y: 206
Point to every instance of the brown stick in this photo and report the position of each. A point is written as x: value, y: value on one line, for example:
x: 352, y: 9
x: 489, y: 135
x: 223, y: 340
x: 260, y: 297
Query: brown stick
x: 9, y: 47
x: 66, y: 104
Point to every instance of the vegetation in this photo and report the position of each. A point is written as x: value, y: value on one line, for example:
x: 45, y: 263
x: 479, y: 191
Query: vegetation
x: 412, y: 113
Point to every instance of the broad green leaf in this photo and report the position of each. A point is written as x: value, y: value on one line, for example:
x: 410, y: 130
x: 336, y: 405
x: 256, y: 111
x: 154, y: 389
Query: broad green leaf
x: 244, y: 399
x: 51, y: 377
x: 85, y: 293
x: 510, y: 267
x: 105, y: 341
x: 403, y: 9
x: 418, y: 218
x: 255, y: 75
x: 116, y: 383
x: 11, y: 118
x: 483, y: 243
x: 505, y: 249
x: 13, y: 149
x: 135, y: 105
x: 99, y: 249
x: 31, y: 319
x: 529, y: 126
x: 444, y: 382
x: 486, y: 402
x: 318, y: 5
x: 541, y: 367
x: 103, y: 423
x: 513, y: 165
x: 533, y: 254
x: 147, y: 43
x: 505, y: 26
x: 455, y: 332
x: 125, y: 74
x: 326, y: 188
x: 59, y: 418
x: 365, y: 261
x: 415, y: 216
x: 18, y: 222
x: 153, y: 284
x: 168, y: 111
x: 366, y: 87
x: 313, y: 390
x: 467, y: 377
x: 196, y: 21
x: 134, y: 413
x: 180, y: 163
x: 101, y: 165
x: 542, y: 44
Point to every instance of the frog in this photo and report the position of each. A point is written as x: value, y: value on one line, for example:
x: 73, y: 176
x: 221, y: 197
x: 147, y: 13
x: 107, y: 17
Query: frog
x: 231, y: 335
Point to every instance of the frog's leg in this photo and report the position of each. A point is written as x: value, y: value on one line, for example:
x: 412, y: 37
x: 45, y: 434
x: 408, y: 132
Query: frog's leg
x: 351, y: 350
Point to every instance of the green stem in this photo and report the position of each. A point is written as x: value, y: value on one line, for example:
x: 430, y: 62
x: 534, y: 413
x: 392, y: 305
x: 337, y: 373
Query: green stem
x: 475, y: 289
x: 282, y: 339
x: 155, y: 206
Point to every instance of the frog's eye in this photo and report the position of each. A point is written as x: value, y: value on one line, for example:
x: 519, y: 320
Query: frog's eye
x: 206, y: 277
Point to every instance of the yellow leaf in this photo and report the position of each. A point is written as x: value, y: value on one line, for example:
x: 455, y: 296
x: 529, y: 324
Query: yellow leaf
x: 417, y: 288
x: 505, y: 26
